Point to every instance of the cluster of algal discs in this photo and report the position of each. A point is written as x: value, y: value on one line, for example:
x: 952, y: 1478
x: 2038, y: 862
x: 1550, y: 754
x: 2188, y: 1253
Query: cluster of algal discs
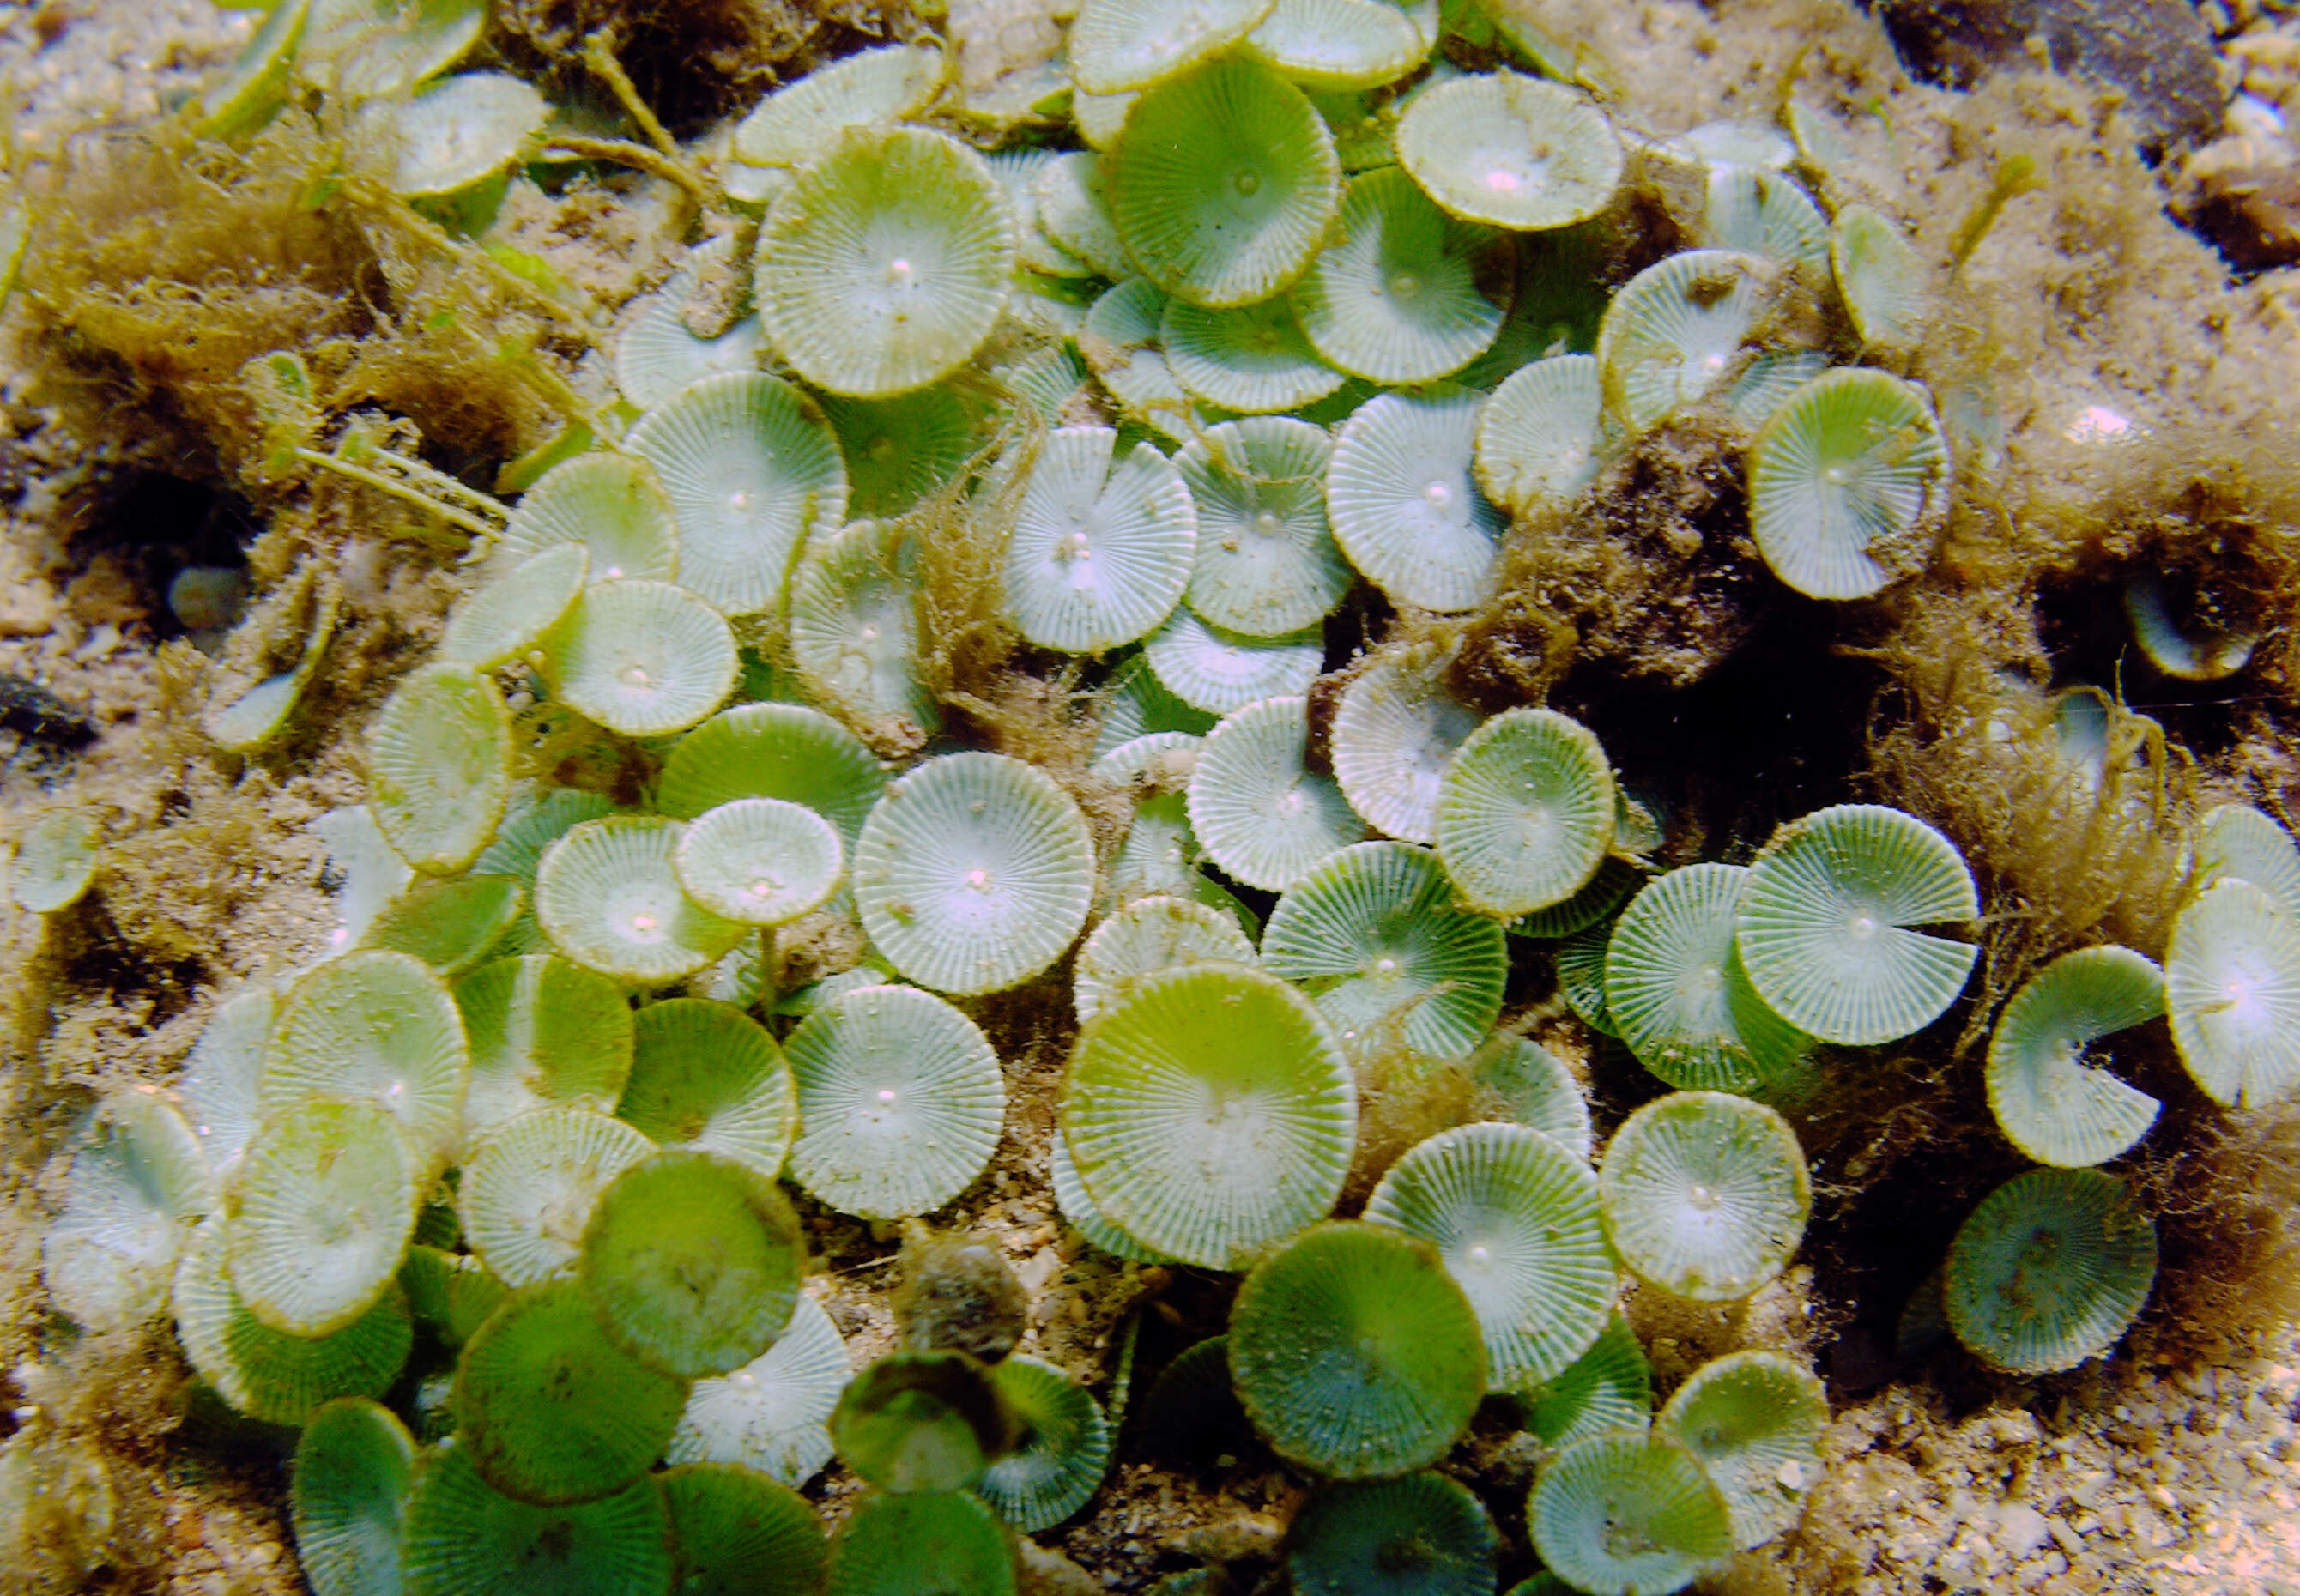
x: 675, y: 894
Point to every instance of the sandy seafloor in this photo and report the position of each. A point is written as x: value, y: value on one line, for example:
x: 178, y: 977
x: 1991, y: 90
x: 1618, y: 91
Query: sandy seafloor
x: 2169, y: 1466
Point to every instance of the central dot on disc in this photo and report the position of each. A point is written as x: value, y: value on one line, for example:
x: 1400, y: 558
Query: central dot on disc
x: 642, y: 922
x: 1706, y: 1198
x: 886, y: 1094
x: 900, y: 271
x: 1405, y: 284
x: 1863, y: 927
x: 635, y: 676
x: 1265, y: 523
x: 979, y: 879
x: 1439, y: 495
x: 1247, y: 182
x: 1501, y: 181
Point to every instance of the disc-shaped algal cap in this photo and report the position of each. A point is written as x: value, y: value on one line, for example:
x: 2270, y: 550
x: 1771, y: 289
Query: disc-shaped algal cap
x: 1848, y: 484
x: 550, y: 1409
x: 1628, y: 1515
x: 1396, y: 727
x: 528, y: 1190
x: 708, y: 1077
x: 656, y: 354
x: 439, y: 766
x: 1225, y: 181
x: 1119, y: 45
x: 462, y: 1535
x: 1100, y: 549
x: 2235, y: 841
x: 1753, y: 1419
x: 869, y: 87
x: 901, y: 1100
x: 1405, y: 500
x: 1220, y: 672
x: 1525, y: 811
x: 1336, y: 46
x: 347, y: 1495
x: 1887, y: 289
x: 903, y: 1545
x: 2050, y: 1104
x: 1678, y: 330
x: 1267, y: 563
x: 2232, y: 990
x: 1705, y: 1195
x: 1355, y: 1353
x: 1065, y: 1445
x: 1510, y: 150
x: 607, y: 895
x: 1828, y: 924
x: 739, y: 1531
x: 2049, y: 1270
x: 1209, y: 1111
x: 542, y: 1031
x: 318, y: 1215
x: 759, y: 860
x: 773, y: 751
x: 1419, y: 1536
x: 612, y: 506
x: 1675, y: 986
x: 974, y: 873
x: 1541, y: 436
x: 1261, y: 814
x: 1372, y: 934
x: 1148, y: 935
x: 641, y: 658
x: 508, y: 614
x: 753, y: 470
x: 884, y: 265
x: 773, y: 1414
x: 137, y: 1183
x: 373, y: 1027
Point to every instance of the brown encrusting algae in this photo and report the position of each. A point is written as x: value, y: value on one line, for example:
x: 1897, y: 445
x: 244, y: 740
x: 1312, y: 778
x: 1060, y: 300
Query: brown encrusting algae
x: 1246, y: 796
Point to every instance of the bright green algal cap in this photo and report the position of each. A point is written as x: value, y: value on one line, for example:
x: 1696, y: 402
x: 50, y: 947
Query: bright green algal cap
x: 741, y: 1534
x: 1100, y: 553
x: 920, y: 1422
x: 1525, y: 811
x: 1541, y: 436
x: 528, y: 1190
x: 1225, y: 181
x: 318, y: 1215
x: 1705, y: 1195
x: 1882, y: 280
x: 1394, y: 730
x: 1119, y: 45
x: 439, y: 766
x: 1420, y: 1535
x: 1372, y: 934
x: 254, y: 86
x: 2236, y: 841
x: 347, y: 1495
x: 1355, y: 1353
x: 656, y: 354
x: 449, y: 1294
x: 550, y: 1409
x: 1071, y: 202
x: 542, y: 1032
x: 267, y: 1374
x: 1765, y: 213
x: 759, y: 860
x: 974, y: 873
x: 1581, y: 975
x: 1848, y: 484
x: 885, y: 265
x: 1252, y: 358
x: 707, y: 1076
x: 1148, y: 935
x: 1404, y: 292
x: 753, y: 471
x: 612, y: 506
x: 853, y: 627
x: 1404, y: 504
x: 1077, y: 1208
x: 1222, y: 672
x: 2049, y: 1103
x: 1535, y: 1090
x: 641, y: 658
x: 453, y: 134
x: 801, y: 118
x: 2190, y: 643
x: 2232, y: 990
x: 2049, y: 1270
x: 1629, y: 1515
x: 462, y: 1535
x: 946, y: 1544
x: 223, y: 1075
x: 608, y: 896
x: 373, y: 1027
x: 1753, y: 1421
x: 1267, y: 562
x: 1064, y: 1447
x: 1678, y: 330
x: 1513, y: 151
x: 1514, y: 1216
x: 1601, y: 897
x: 1825, y: 924
x: 1609, y: 1387
x: 361, y: 49
x: 773, y: 1414
x: 692, y: 1262
x: 55, y: 862
x: 901, y: 1100
x: 136, y: 1182
x: 773, y: 751
x: 1340, y: 45
x: 1675, y: 986
x: 509, y: 613
x: 1210, y: 1112
x: 1135, y: 704
x: 901, y: 449
x: 1262, y: 815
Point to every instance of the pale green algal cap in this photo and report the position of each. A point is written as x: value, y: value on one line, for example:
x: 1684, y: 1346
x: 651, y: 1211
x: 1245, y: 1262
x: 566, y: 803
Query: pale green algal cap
x: 542, y: 1031
x: 1884, y: 282
x: 707, y: 1076
x: 320, y: 1213
x: 1341, y: 45
x: 373, y: 1027
x: 1220, y: 672
x: 2232, y: 989
x: 1848, y: 484
x: 528, y: 1191
x: 655, y: 353
x: 136, y: 1183
x: 1675, y: 986
x: 1678, y: 329
x: 1541, y: 439
x: 1065, y: 1448
x: 1753, y: 1419
x: 1101, y: 548
x: 2236, y: 841
x: 1511, y: 150
x: 1764, y: 213
x: 439, y: 766
x: 453, y: 134
x: 2048, y: 1101
x: 774, y: 1414
x: 347, y: 1495
x: 508, y: 614
x: 1705, y: 1195
x: 1148, y: 935
x: 1395, y: 729
x: 361, y: 49
x: 1627, y: 1513
x: 1536, y: 1089
x: 55, y: 861
x: 1120, y: 44
x: 612, y: 506
x: 799, y: 119
x: 607, y: 895
x: 1404, y: 501
x: 1267, y: 563
x: 1260, y: 813
x: 1525, y: 811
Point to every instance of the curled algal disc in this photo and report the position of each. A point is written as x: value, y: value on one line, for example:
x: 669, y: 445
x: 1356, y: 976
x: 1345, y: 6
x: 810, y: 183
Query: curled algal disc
x: 1120, y: 44
x: 1753, y: 1419
x: 1525, y: 811
x: 1705, y: 1195
x: 1396, y: 727
x: 1629, y: 1514
x: 1267, y: 563
x: 1405, y: 502
x: 1209, y: 1112
x: 1120, y: 341
x: 1100, y: 550
x: 2232, y: 991
x: 773, y: 1414
x: 752, y: 470
x: 373, y: 1027
x: 1219, y: 672
x: 901, y: 1100
x: 135, y: 1184
x: 1848, y: 484
x: 1511, y: 150
x: 800, y: 119
x: 439, y: 766
x: 318, y: 1215
x: 1260, y: 813
x: 1882, y: 280
x: 2048, y: 1101
x: 506, y: 615
x: 224, y: 1073
x: 2049, y: 1270
x: 884, y: 266
x: 974, y: 873
x: 1148, y: 935
x: 2236, y: 841
x: 1765, y: 213
x: 612, y: 506
x: 1675, y: 986
x: 454, y: 134
x: 251, y: 90
x: 1065, y: 1448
